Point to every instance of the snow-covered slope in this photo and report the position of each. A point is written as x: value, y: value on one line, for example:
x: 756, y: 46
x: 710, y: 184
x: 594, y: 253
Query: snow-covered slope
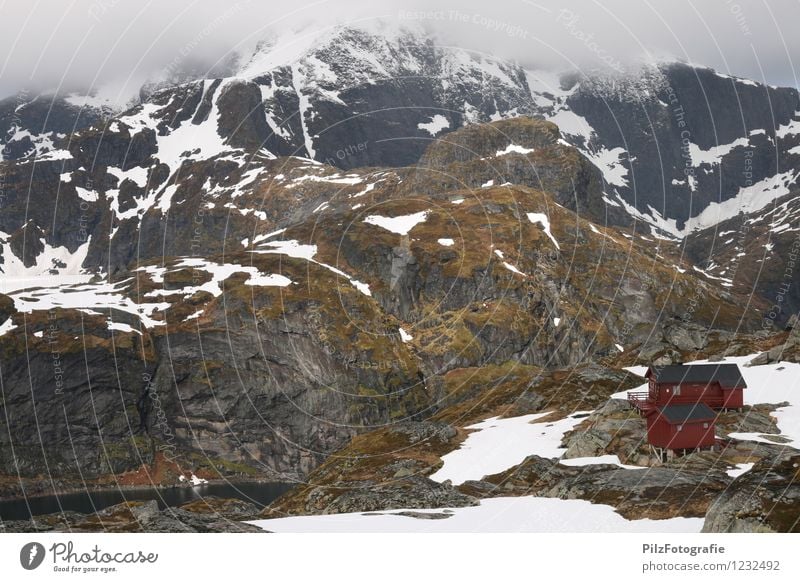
x: 501, y: 514
x: 376, y: 94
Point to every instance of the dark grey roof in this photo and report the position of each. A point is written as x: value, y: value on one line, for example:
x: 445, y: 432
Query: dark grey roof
x: 677, y: 413
x: 728, y: 375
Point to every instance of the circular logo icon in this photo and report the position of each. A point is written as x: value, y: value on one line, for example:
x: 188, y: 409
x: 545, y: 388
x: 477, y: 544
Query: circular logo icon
x: 31, y: 555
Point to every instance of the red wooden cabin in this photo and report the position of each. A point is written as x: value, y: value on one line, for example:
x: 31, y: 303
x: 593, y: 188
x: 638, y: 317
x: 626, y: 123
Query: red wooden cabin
x: 681, y: 427
x: 715, y: 385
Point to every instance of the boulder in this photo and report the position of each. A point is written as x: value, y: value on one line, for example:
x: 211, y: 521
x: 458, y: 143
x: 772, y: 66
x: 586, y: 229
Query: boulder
x: 765, y: 499
x: 7, y: 308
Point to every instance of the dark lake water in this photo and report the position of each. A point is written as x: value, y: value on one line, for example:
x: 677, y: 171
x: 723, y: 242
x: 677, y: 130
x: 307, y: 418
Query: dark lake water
x: 260, y: 494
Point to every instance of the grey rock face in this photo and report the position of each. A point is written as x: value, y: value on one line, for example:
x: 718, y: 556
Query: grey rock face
x: 686, y: 337
x: 765, y: 499
x: 78, y: 399
x: 655, y: 492
x: 711, y: 107
x: 242, y: 120
x: 7, y: 308
x: 218, y: 516
x: 613, y: 429
x: 412, y: 492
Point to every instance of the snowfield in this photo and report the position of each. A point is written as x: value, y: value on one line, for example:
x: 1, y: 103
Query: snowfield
x: 399, y: 224
x: 500, y: 444
x: 296, y: 250
x: 90, y: 296
x: 497, y: 515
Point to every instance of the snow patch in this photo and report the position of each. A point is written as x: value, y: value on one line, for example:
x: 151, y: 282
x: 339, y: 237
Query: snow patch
x: 601, y: 460
x: 741, y: 469
x: 536, y: 217
x: 714, y: 155
x: 363, y: 287
x: 123, y: 327
x: 514, y: 149
x: 499, y: 514
x: 436, y: 125
x: 748, y: 200
x: 195, y: 480
x: 500, y: 444
x: 294, y: 249
x: 513, y: 269
x: 399, y: 224
x: 6, y: 327
x: 48, y: 270
x: 269, y: 281
x: 87, y: 195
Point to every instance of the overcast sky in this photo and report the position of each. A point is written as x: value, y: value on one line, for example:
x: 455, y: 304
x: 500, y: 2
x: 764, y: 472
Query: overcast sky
x: 47, y: 44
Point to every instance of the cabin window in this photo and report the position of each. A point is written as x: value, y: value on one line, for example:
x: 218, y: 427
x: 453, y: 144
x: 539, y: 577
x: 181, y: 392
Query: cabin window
x: 677, y: 390
x: 680, y: 427
x: 705, y: 425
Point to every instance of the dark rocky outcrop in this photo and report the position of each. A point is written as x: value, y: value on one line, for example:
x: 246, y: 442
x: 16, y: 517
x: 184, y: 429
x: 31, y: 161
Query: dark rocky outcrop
x: 650, y: 113
x: 202, y: 516
x: 241, y: 118
x: 765, y: 499
x: 7, y: 308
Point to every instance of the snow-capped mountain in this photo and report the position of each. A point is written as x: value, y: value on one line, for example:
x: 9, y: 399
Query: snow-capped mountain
x: 680, y: 148
x: 257, y: 267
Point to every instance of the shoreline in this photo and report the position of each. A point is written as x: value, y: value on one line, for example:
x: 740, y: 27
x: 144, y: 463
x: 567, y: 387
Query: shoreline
x: 132, y: 488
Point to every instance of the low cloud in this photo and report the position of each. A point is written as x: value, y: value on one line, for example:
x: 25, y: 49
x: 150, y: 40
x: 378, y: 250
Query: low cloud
x: 118, y: 45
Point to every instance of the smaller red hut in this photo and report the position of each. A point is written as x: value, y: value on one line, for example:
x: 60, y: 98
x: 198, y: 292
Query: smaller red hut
x: 680, y: 427
x: 715, y: 385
